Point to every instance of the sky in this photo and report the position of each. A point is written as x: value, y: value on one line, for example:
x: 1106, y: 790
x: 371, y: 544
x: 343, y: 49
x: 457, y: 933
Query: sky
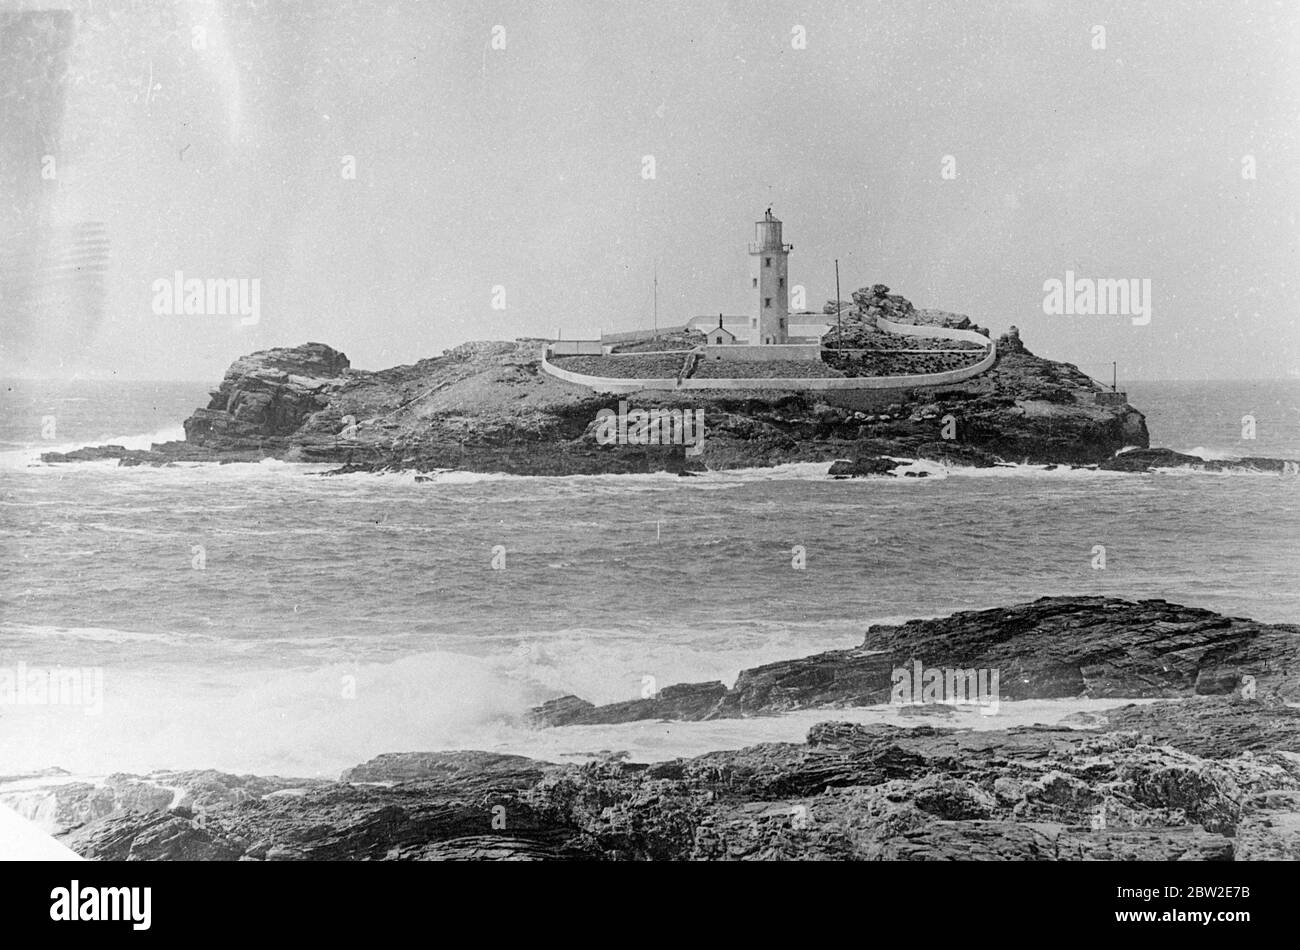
x: 501, y: 186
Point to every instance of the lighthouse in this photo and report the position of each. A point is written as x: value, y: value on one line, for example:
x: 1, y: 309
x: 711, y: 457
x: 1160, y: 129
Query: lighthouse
x: 768, y: 276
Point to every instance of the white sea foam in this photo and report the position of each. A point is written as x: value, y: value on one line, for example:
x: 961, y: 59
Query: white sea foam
x: 653, y: 741
x: 1214, y: 454
x: 298, y: 726
x: 416, y: 706
x: 173, y: 433
x: 92, y: 634
x: 305, y: 716
x: 31, y: 453
x: 312, y: 722
x: 624, y: 483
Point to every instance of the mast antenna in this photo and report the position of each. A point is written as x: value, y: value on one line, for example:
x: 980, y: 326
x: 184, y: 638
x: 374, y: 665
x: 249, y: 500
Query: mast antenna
x: 656, y: 298
x: 839, y: 329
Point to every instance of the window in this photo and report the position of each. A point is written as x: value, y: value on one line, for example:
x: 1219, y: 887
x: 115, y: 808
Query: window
x: 753, y: 321
x: 755, y: 281
x: 782, y: 282
x: 767, y: 301
x: 783, y: 323
x: 767, y: 262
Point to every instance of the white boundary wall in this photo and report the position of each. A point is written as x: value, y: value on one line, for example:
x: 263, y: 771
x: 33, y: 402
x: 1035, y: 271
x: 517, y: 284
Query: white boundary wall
x: 601, y: 384
x: 613, y: 384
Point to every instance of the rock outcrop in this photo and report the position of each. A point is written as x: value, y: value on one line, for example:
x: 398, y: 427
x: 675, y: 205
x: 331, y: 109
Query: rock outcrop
x: 1149, y: 460
x: 267, y: 397
x: 686, y: 701
x: 1051, y: 648
x: 864, y: 466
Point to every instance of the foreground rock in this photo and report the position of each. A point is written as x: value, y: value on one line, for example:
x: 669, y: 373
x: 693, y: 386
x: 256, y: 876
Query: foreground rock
x: 850, y: 792
x: 1209, y: 770
x: 1054, y: 647
x: 59, y: 803
x: 489, y: 407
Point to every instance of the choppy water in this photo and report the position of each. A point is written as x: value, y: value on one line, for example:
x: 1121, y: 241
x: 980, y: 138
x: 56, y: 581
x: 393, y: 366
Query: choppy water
x: 236, y: 609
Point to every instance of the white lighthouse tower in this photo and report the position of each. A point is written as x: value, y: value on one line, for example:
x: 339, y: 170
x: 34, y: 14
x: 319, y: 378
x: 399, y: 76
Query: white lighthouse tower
x: 768, y: 276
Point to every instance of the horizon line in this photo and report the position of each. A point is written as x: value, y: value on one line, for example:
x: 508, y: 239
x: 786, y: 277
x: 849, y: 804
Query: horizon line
x: 208, y: 381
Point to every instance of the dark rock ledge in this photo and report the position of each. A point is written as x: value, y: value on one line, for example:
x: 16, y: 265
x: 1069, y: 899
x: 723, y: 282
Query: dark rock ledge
x: 1054, y: 647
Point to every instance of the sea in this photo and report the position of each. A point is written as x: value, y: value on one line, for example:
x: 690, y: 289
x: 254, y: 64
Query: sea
x: 262, y: 618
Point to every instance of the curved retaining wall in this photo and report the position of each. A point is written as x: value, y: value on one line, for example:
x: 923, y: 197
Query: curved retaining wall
x: 614, y: 384
x: 603, y: 384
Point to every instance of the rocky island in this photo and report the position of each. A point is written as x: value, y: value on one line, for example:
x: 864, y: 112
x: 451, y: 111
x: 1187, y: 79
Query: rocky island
x: 488, y: 407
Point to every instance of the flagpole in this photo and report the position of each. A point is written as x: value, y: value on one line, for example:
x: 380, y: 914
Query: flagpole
x: 839, y: 330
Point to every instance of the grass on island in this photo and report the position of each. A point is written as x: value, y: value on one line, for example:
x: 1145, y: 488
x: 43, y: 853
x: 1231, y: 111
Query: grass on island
x: 669, y: 366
